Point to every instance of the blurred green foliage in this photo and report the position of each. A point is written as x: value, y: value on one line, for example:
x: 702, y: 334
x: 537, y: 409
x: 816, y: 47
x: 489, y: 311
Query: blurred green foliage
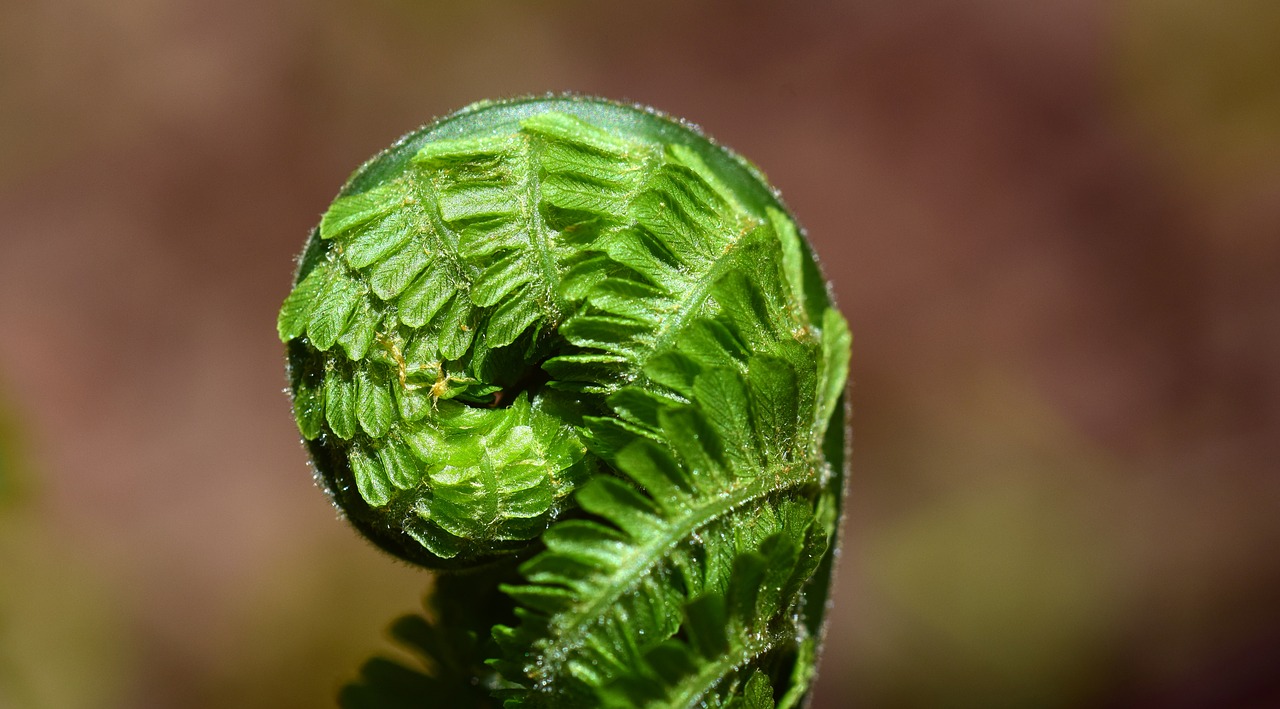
x: 59, y: 635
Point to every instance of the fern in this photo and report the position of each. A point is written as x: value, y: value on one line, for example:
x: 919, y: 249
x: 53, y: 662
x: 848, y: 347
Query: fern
x: 578, y: 346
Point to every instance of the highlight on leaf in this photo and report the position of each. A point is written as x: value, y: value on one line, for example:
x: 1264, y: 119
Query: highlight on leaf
x: 580, y: 348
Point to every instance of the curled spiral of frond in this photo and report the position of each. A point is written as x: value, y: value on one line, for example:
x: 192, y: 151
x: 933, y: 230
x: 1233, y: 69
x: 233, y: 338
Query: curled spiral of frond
x: 581, y: 347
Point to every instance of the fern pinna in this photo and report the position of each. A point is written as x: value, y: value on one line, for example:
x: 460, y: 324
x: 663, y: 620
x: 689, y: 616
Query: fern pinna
x: 580, y: 353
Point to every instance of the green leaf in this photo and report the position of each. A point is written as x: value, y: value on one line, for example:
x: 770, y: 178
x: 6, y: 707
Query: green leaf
x: 836, y: 342
x: 332, y: 311
x: 375, y: 242
x: 456, y: 329
x: 340, y: 404
x: 775, y: 407
x: 401, y: 466
x: 510, y: 320
x: 759, y: 693
x: 500, y: 279
x: 354, y: 210
x: 576, y: 345
x: 724, y: 401
x: 361, y: 329
x: 371, y: 478
x: 374, y: 407
x: 296, y: 311
x: 424, y: 298
x: 792, y: 254
x: 391, y: 276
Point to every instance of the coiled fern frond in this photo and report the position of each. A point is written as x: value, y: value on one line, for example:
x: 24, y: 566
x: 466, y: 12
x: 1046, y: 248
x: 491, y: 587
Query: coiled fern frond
x: 581, y: 350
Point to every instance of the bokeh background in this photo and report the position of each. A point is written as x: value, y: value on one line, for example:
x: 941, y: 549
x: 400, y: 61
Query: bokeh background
x: 1054, y: 226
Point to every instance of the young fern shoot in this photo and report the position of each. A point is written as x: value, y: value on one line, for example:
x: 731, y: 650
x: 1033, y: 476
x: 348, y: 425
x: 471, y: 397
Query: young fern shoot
x: 582, y: 352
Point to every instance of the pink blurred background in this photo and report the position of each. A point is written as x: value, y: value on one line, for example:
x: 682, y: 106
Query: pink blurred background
x: 1054, y: 227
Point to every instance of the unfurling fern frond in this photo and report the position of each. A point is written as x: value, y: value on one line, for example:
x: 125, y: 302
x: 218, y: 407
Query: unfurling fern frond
x: 578, y: 346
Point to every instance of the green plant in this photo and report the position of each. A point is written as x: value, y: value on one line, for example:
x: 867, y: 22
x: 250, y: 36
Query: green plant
x: 581, y: 352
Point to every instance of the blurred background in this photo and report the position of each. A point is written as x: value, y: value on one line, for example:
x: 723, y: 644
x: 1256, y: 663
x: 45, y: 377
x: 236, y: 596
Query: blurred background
x: 1054, y: 227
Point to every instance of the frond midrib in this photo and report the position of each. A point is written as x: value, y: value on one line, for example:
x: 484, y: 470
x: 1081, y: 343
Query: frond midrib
x: 712, y: 671
x: 650, y: 553
x: 539, y: 240
x: 687, y: 307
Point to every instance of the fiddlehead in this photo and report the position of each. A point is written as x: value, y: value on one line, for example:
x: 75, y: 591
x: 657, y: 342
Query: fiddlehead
x: 580, y: 337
